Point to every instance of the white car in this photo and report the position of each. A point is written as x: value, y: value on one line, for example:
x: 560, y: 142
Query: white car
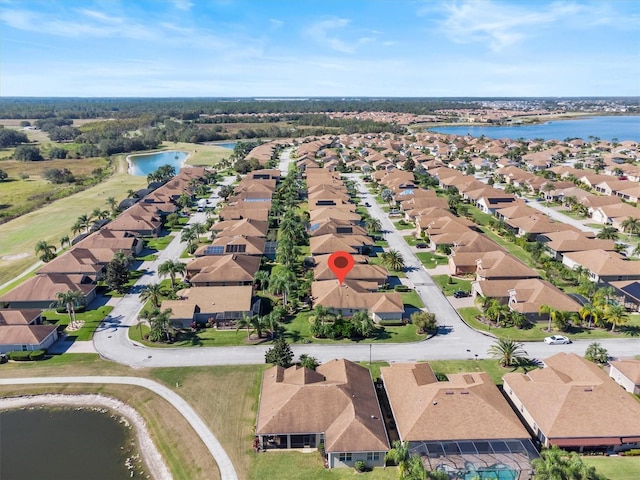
x: 556, y: 340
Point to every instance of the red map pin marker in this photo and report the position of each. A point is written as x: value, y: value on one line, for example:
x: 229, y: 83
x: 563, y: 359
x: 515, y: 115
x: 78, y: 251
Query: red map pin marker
x: 340, y: 264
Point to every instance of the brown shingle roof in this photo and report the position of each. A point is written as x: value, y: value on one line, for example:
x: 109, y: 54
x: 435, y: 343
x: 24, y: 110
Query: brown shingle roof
x: 572, y: 398
x: 466, y: 407
x: 338, y: 399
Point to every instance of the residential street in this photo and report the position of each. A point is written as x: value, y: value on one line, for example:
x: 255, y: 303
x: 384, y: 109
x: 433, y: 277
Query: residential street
x: 455, y: 340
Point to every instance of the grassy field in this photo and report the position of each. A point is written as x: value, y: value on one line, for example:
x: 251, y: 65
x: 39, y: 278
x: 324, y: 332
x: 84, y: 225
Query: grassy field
x: 200, y: 155
x: 615, y: 468
x: 19, y: 196
x: 536, y: 333
x: 449, y: 288
x: 19, y: 236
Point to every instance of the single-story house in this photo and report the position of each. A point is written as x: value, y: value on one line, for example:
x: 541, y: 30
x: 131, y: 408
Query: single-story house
x: 463, y: 423
x: 41, y: 291
x: 626, y: 373
x: 574, y: 404
x: 334, y: 408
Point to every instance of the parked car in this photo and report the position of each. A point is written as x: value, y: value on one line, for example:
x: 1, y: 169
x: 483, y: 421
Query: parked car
x: 556, y: 340
x: 460, y: 294
x: 421, y: 245
x: 367, y: 204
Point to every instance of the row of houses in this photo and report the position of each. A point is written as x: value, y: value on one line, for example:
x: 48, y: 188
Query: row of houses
x: 463, y: 425
x: 221, y: 277
x: 335, y: 226
x: 80, y: 268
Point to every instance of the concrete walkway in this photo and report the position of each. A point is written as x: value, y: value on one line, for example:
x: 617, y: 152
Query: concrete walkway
x: 227, y: 471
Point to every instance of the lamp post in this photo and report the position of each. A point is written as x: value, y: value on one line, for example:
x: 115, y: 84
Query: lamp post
x: 370, y: 346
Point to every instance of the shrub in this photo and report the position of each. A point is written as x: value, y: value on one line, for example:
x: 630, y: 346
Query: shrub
x: 19, y: 356
x: 360, y: 466
x: 634, y: 452
x: 401, y: 288
x: 391, y: 323
x: 36, y: 355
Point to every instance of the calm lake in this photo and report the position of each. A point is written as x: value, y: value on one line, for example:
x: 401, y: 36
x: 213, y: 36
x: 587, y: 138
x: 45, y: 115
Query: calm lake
x: 606, y: 128
x: 146, y: 163
x: 63, y: 444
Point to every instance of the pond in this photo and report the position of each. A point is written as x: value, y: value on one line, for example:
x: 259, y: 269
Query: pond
x: 146, y: 163
x: 64, y: 443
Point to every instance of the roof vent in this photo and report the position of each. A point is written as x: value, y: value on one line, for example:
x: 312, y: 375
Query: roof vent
x: 588, y: 389
x: 449, y: 392
x: 464, y: 392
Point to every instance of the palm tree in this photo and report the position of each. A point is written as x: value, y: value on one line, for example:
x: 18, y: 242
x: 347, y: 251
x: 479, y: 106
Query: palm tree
x: 387, y: 196
x: 631, y: 225
x: 253, y: 323
x: 64, y: 240
x: 262, y: 277
x: 616, y: 315
x: 399, y: 455
x: 85, y: 221
x: 363, y: 323
x: 373, y: 225
x: 507, y: 352
x: 608, y: 233
x: 184, y: 201
x: 551, y: 311
x: 113, y: 205
x: 636, y: 250
x: 152, y: 293
x: 171, y: 268
x: 393, y: 260
x: 557, y: 464
x: 587, y: 311
x: 70, y: 300
x: 159, y: 322
x: 497, y: 310
x: 321, y: 313
x: 282, y: 283
x: 47, y: 251
x: 190, y: 236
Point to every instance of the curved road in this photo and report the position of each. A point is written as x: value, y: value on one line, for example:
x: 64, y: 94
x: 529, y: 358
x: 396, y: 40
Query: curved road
x: 227, y: 472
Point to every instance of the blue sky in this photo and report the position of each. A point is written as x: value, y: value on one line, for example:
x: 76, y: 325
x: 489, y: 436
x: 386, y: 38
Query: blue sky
x: 302, y: 48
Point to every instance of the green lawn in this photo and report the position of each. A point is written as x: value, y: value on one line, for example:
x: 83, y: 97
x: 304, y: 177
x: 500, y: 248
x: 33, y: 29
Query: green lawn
x: 492, y: 367
x: 432, y: 260
x: 478, y: 216
x: 615, y: 468
x: 412, y: 298
x: 518, y: 252
x: 403, y: 225
x: 304, y: 466
x: 158, y: 243
x: 91, y: 318
x: 538, y: 332
x: 411, y: 240
x: 449, y: 288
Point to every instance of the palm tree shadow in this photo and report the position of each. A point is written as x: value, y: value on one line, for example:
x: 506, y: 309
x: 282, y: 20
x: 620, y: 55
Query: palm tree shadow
x: 527, y: 364
x: 631, y: 331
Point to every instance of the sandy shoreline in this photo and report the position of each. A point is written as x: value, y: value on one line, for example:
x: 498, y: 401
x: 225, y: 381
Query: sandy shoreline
x: 152, y: 457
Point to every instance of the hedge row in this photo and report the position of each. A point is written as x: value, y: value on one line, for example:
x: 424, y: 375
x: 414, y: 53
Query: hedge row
x: 22, y: 356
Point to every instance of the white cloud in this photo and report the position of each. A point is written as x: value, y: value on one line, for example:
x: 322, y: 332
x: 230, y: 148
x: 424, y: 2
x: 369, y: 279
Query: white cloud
x: 275, y: 23
x: 500, y: 25
x: 182, y: 4
x: 321, y: 33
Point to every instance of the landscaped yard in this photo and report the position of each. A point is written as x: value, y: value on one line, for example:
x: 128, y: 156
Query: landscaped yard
x: 538, y: 332
x: 158, y: 243
x: 615, y: 468
x: 91, y: 319
x: 403, y: 225
x: 432, y: 260
x: 448, y: 284
x: 412, y: 299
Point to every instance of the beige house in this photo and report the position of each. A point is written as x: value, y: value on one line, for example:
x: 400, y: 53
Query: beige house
x: 334, y: 408
x: 603, y: 266
x: 461, y: 424
x: 353, y: 295
x: 626, y: 373
x: 574, y: 404
x: 23, y: 330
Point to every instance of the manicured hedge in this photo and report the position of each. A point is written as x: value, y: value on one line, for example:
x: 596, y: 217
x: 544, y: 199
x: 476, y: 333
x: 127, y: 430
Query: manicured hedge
x: 24, y: 356
x: 401, y: 288
x: 391, y: 323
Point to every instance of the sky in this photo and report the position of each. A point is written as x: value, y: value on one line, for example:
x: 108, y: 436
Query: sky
x: 312, y: 48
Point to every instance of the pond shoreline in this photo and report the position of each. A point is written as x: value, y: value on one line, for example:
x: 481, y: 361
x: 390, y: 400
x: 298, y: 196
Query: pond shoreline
x: 152, y: 458
x: 130, y: 167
